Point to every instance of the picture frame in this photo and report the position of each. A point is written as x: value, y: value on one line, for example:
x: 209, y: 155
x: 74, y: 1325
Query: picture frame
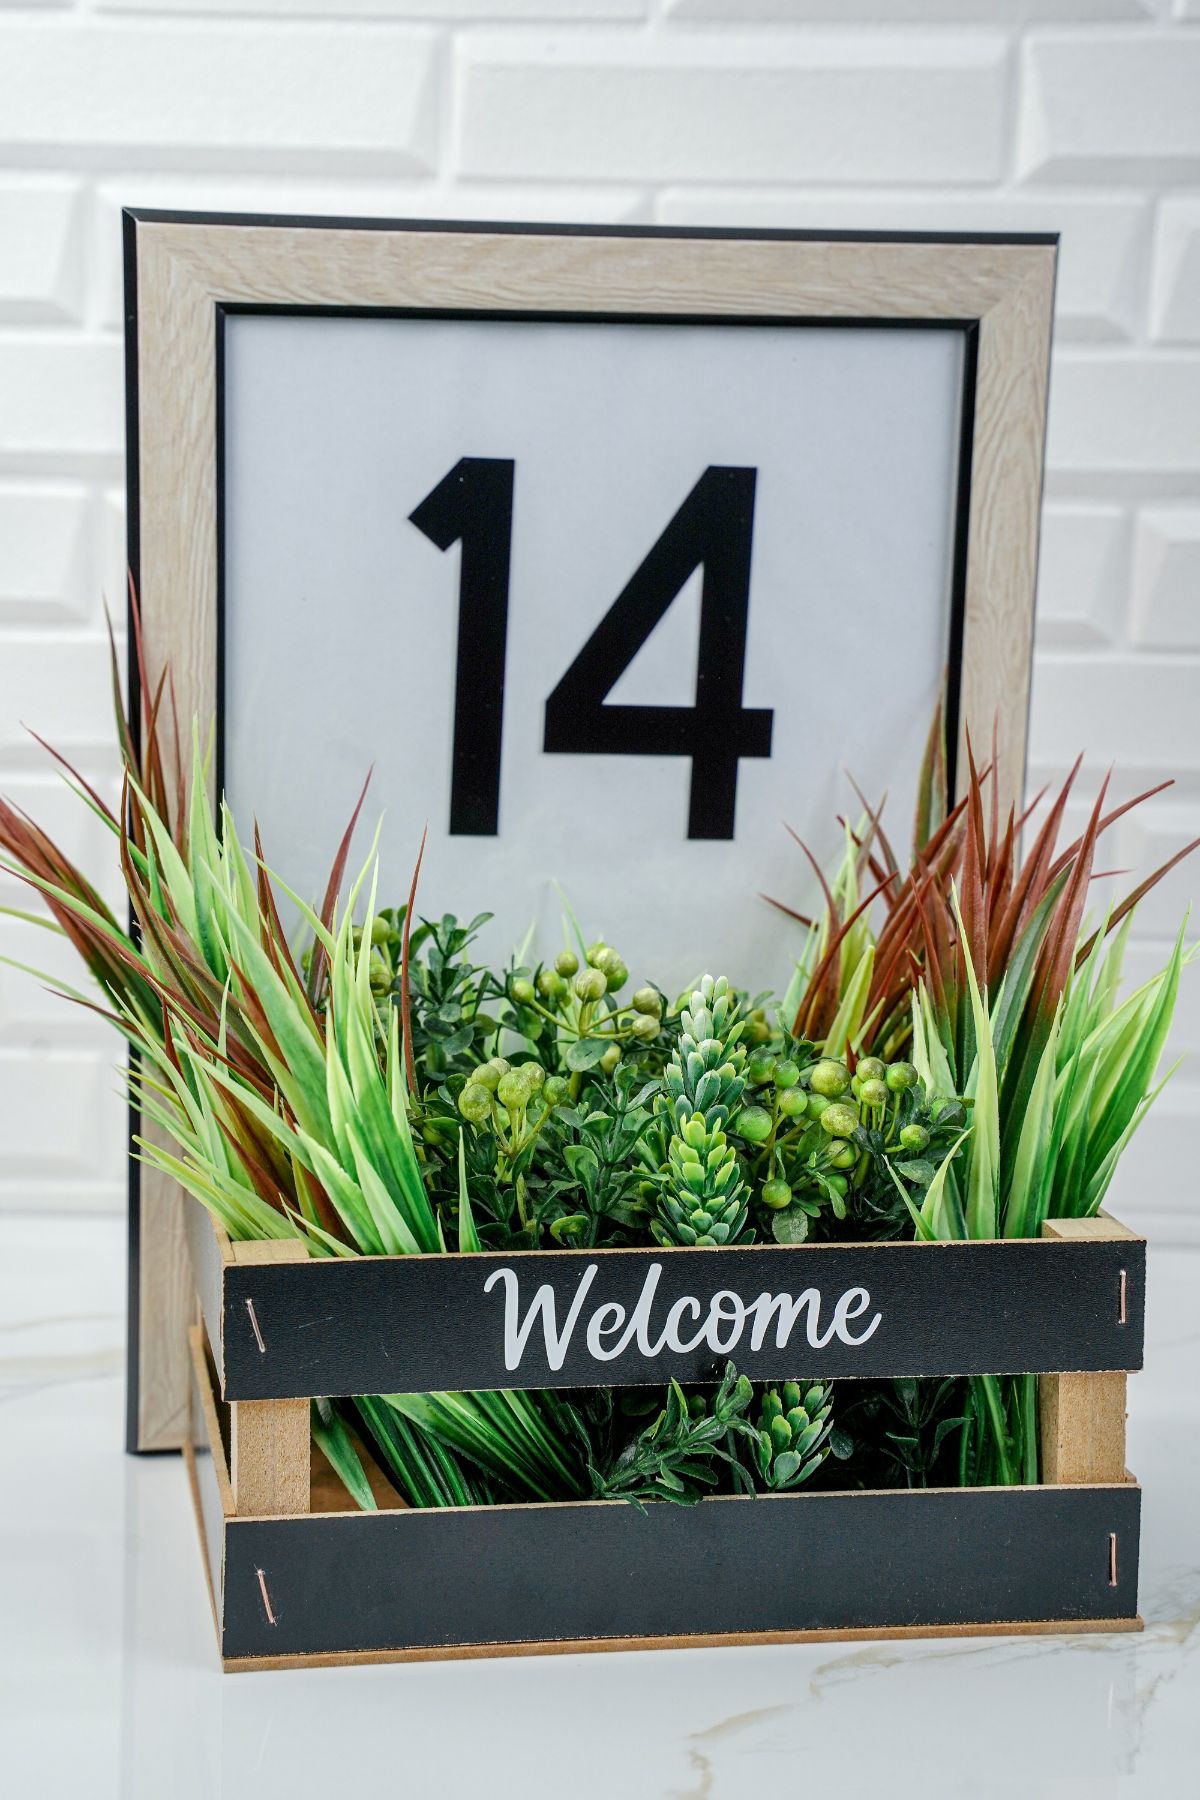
x: 189, y: 275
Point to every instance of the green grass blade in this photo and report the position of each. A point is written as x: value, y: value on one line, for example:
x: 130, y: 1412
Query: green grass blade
x: 1100, y: 1181
x: 468, y: 1236
x: 847, y: 1022
x: 1023, y: 1205
x: 941, y: 1210
x: 1070, y: 1173
x: 1109, y: 1120
x: 302, y: 1073
x: 389, y: 1222
x: 983, y: 1169
x: 929, y: 1053
x: 1018, y: 977
x: 337, y: 1446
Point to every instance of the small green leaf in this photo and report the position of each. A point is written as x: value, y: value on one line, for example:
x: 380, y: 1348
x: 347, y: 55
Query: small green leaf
x: 920, y: 1171
x: 582, y: 1161
x: 790, y: 1226
x: 566, y: 1230
x: 332, y: 1438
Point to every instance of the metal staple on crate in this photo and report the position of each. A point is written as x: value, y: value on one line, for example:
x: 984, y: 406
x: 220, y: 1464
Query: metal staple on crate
x: 258, y: 1336
x: 266, y: 1598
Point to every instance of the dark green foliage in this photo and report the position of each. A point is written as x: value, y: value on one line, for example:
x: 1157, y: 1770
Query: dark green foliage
x: 877, y: 1208
x: 680, y: 1455
x: 448, y: 994
x: 900, y: 1433
x: 597, y: 1194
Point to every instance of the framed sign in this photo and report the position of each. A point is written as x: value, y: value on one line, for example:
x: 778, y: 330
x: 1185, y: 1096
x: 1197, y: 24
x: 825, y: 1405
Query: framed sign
x: 608, y: 550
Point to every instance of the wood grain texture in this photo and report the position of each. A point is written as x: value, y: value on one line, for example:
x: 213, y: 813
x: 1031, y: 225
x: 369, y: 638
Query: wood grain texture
x: 1077, y: 1231
x: 270, y: 1469
x: 1002, y: 551
x: 185, y: 270
x: 1083, y: 1429
x: 233, y: 1665
x: 165, y: 1292
x: 205, y: 1433
x: 208, y: 1474
x: 1082, y: 1417
x: 176, y: 559
x: 209, y: 1253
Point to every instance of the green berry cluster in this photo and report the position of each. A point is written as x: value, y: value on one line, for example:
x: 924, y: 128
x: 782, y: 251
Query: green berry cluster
x: 810, y: 1126
x: 514, y: 1100
x: 580, y: 1005
x: 778, y: 1097
x: 772, y: 1125
x: 844, y: 1102
x: 702, y: 1198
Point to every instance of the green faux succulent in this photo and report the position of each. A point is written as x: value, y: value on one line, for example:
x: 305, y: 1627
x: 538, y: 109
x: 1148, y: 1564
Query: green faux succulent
x: 702, y: 1196
x: 794, y: 1423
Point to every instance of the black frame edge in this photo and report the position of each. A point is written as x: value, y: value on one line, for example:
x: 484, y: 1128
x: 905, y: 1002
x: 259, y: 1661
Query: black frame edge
x: 541, y: 228
x: 129, y: 224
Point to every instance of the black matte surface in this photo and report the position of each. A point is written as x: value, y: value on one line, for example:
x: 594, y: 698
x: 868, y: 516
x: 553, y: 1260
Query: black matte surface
x: 555, y: 1573
x: 133, y: 1338
x: 416, y: 1324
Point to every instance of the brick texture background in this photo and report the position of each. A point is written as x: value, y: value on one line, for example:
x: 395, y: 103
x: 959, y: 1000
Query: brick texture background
x: 1081, y: 116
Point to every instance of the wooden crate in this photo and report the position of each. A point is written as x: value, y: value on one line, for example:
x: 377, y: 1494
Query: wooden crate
x: 297, y: 1577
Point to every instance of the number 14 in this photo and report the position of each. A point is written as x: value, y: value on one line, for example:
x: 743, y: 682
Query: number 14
x: 713, y: 530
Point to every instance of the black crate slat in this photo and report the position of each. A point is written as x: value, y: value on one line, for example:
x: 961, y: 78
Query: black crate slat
x: 547, y: 1574
x: 424, y: 1323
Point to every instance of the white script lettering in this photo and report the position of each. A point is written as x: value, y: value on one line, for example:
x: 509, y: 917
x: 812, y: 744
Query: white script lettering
x: 720, y: 1323
x: 516, y: 1334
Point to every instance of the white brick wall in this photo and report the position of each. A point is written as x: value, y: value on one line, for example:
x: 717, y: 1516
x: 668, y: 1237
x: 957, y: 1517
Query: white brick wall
x: 1081, y: 116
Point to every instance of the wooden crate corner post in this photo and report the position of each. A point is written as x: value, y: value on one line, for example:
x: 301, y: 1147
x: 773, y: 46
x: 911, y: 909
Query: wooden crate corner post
x: 1083, y: 1415
x: 269, y: 1440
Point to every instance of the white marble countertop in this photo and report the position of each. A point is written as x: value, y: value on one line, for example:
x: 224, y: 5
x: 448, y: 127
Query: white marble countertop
x: 109, y: 1683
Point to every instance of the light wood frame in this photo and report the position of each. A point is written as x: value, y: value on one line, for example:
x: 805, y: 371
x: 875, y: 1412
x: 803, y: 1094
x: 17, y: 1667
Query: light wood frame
x: 183, y: 270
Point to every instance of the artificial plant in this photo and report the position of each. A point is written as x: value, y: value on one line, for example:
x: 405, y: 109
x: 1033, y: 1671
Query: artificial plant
x: 951, y: 1060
